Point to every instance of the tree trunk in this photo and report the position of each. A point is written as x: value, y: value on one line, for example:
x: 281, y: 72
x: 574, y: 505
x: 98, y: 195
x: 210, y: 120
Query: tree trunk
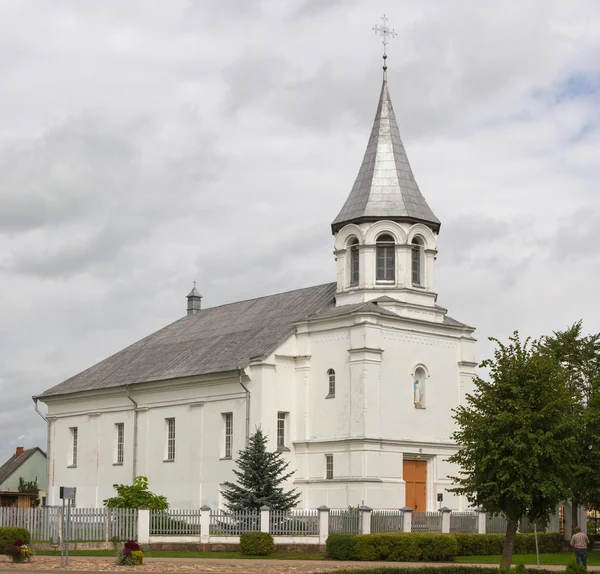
x: 509, y: 544
x: 574, y: 516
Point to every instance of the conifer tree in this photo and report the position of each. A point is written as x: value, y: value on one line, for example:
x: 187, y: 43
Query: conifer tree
x: 260, y: 475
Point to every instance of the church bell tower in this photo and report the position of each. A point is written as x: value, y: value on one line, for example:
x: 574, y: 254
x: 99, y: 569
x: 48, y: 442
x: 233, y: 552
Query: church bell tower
x: 385, y: 235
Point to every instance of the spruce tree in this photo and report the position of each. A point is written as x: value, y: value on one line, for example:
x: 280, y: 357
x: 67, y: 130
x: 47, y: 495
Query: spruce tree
x: 260, y: 474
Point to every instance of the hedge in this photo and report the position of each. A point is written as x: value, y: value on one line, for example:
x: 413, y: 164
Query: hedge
x: 9, y: 534
x: 442, y: 570
x: 432, y: 547
x: 488, y: 544
x: 397, y: 547
x: 257, y: 544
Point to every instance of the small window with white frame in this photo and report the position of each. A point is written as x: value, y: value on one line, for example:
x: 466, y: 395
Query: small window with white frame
x: 385, y: 259
x: 170, y: 450
x: 282, y: 429
x: 120, y: 436
x: 416, y: 260
x: 354, y: 262
x: 329, y: 466
x: 330, y: 384
x: 74, y: 445
x: 228, y: 428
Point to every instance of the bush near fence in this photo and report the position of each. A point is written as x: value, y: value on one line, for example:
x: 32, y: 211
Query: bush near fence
x: 428, y: 547
x: 8, y: 534
x: 442, y: 570
x: 491, y: 544
x: 397, y: 547
x: 257, y: 544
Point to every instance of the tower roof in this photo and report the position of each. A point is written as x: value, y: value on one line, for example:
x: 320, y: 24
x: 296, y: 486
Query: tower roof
x: 385, y: 187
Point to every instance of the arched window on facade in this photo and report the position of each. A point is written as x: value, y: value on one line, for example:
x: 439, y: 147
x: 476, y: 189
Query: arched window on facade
x: 354, y: 263
x: 416, y: 258
x: 419, y: 388
x: 386, y: 258
x: 331, y: 383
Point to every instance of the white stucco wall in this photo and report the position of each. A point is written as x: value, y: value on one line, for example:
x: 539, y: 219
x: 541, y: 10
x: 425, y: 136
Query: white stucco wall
x: 369, y: 426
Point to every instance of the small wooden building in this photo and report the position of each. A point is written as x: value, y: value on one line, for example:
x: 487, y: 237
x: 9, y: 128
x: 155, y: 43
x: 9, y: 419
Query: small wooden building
x: 17, y: 499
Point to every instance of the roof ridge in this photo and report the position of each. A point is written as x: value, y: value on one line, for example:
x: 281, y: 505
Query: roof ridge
x: 264, y: 297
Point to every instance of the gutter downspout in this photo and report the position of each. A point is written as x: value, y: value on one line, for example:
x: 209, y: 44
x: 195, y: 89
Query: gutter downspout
x: 240, y: 373
x: 135, y: 432
x: 48, y: 445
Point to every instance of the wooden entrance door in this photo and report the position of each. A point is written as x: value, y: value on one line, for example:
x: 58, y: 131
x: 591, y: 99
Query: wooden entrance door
x: 415, y: 476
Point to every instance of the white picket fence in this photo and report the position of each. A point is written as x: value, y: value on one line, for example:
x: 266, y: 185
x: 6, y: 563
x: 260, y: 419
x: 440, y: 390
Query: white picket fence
x: 294, y: 523
x: 106, y: 525
x: 86, y: 524
x: 383, y: 521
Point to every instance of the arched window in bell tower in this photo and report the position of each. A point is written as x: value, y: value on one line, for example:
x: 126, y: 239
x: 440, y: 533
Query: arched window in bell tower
x: 354, y: 262
x: 386, y: 258
x: 416, y: 258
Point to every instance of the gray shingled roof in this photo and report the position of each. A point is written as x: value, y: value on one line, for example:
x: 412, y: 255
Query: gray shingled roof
x: 14, y: 462
x: 385, y: 187
x: 214, y: 340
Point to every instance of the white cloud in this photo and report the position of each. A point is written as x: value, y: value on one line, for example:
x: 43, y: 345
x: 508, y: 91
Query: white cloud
x: 145, y: 144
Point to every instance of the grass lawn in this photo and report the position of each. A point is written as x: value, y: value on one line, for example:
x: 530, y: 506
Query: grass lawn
x: 186, y: 554
x: 563, y: 558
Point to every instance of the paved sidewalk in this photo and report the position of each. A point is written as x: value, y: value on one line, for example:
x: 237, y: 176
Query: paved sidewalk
x: 219, y: 565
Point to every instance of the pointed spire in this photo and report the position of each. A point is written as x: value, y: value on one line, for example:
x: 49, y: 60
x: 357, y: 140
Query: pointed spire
x: 385, y: 187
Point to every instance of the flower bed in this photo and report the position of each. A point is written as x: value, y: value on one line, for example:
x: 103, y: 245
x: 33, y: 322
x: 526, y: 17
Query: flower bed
x: 131, y: 554
x: 18, y: 551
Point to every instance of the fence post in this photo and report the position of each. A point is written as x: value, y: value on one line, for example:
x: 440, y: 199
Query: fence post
x: 106, y: 526
x: 365, y: 519
x: 481, y: 520
x: 59, y: 519
x: 407, y: 519
x: 264, y: 518
x: 323, y: 524
x: 445, y: 519
x: 143, y: 525
x: 204, y: 524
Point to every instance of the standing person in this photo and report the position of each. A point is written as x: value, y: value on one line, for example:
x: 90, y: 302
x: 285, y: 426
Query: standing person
x: 579, y: 542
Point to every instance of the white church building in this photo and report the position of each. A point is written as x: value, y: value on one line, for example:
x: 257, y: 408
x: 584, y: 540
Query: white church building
x: 354, y: 381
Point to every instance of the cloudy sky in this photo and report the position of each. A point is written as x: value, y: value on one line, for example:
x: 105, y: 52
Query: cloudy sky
x: 144, y: 144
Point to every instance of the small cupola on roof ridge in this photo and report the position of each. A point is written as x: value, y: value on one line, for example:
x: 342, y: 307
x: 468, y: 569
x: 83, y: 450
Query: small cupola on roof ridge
x: 194, y: 301
x: 385, y: 187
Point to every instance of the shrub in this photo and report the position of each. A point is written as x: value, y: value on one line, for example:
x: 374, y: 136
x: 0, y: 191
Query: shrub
x: 397, y: 547
x: 257, y: 544
x: 9, y: 534
x: 131, y: 554
x: 487, y: 544
x: 441, y: 570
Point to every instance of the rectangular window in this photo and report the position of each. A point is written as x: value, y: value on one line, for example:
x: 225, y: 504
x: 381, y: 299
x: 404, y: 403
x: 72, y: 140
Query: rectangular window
x: 170, y: 439
x: 416, y: 266
x: 228, y: 418
x: 329, y: 466
x: 74, y: 432
x: 385, y: 263
x: 120, y: 454
x: 354, y: 265
x: 281, y: 420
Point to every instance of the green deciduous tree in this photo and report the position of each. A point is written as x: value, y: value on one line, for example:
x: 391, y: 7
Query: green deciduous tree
x: 30, y: 486
x: 135, y: 496
x: 579, y: 355
x: 517, y: 433
x: 260, y: 475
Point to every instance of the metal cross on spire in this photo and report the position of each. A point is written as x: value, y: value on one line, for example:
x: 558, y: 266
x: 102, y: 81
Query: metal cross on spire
x: 385, y: 32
